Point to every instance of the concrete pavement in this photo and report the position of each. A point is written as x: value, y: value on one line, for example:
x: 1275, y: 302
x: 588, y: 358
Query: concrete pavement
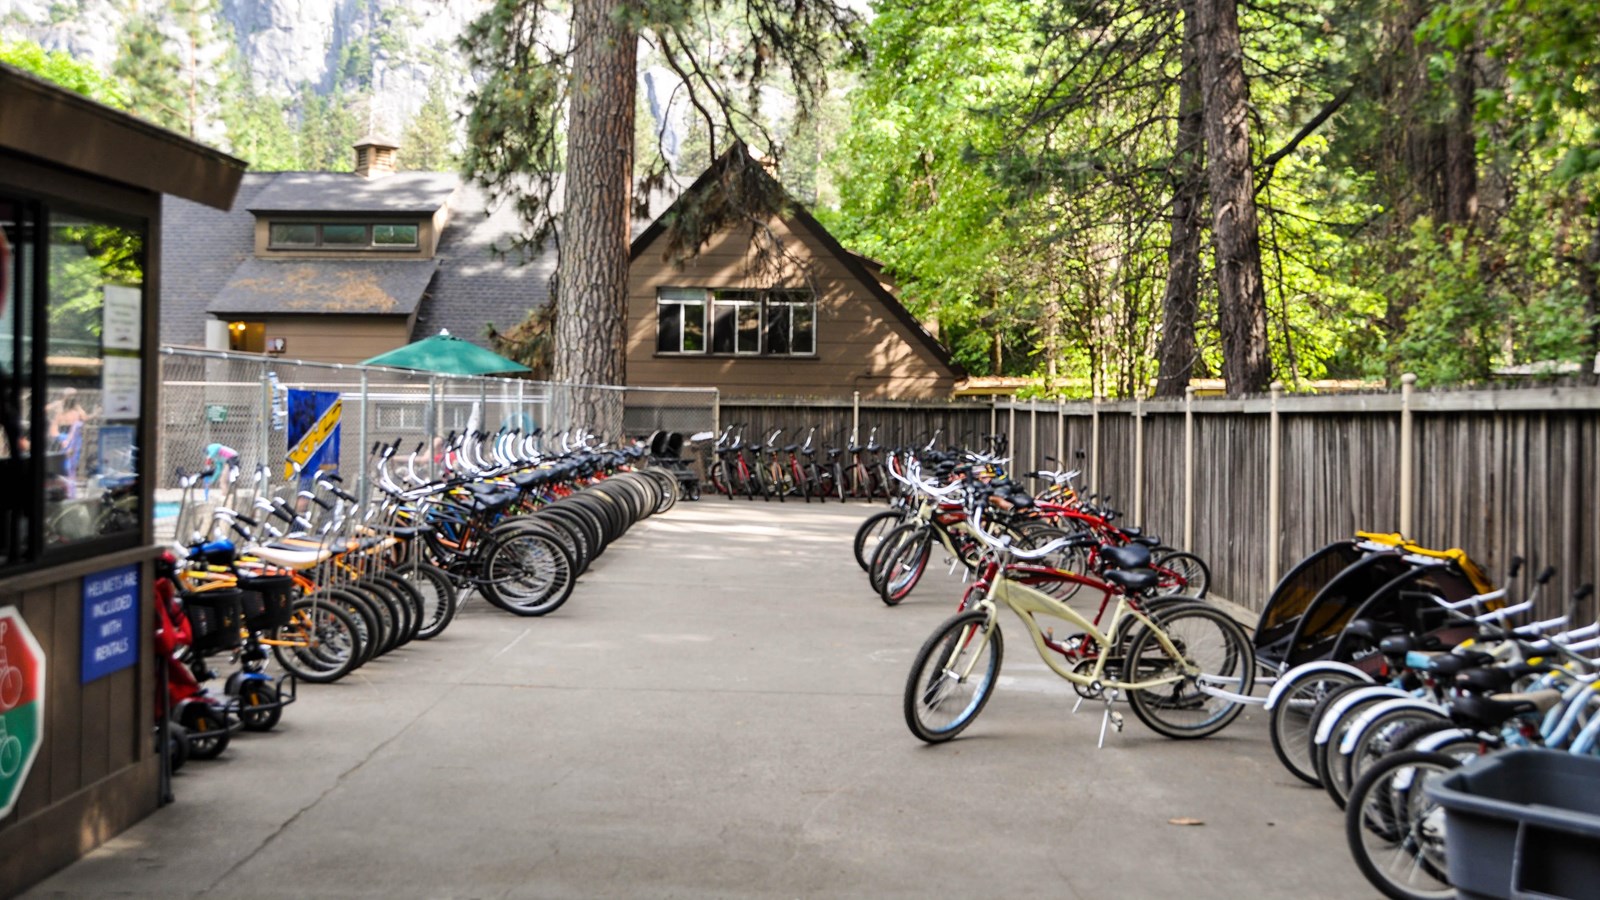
x: 717, y: 712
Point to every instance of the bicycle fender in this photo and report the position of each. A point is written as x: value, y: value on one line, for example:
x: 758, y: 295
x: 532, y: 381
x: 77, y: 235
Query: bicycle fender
x: 1340, y: 706
x: 1433, y: 742
x: 1354, y: 733
x: 1325, y: 665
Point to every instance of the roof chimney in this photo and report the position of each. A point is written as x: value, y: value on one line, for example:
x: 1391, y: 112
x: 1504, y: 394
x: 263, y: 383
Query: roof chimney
x: 375, y: 156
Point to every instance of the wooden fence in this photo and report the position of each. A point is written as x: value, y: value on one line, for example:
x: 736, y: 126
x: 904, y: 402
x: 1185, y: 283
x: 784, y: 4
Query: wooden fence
x: 1255, y: 485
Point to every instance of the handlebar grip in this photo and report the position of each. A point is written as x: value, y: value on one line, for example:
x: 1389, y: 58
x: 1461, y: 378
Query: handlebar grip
x: 1516, y: 566
x: 420, y: 445
x: 1583, y: 593
x: 333, y: 477
x: 375, y: 446
x: 1548, y: 573
x: 247, y: 520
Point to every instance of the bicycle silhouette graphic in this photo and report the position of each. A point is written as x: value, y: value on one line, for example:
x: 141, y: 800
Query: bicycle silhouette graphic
x: 10, y: 677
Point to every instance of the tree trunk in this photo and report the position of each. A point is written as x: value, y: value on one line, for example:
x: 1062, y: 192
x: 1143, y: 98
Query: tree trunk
x: 592, y: 279
x: 1177, y: 353
x: 1235, y: 235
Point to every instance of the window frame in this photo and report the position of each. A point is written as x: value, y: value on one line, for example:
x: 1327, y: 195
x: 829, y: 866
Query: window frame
x: 704, y: 302
x: 370, y: 245
x: 763, y: 299
x: 45, y: 210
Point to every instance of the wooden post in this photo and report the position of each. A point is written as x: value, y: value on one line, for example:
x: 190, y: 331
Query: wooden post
x: 1188, y: 468
x: 1138, y: 460
x: 1094, y: 442
x: 1274, y: 489
x: 1061, y: 434
x: 1033, y: 435
x: 1408, y: 470
x: 1011, y: 424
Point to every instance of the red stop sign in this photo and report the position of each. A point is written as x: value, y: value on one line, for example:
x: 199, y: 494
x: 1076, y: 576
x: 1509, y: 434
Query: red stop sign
x: 22, y: 671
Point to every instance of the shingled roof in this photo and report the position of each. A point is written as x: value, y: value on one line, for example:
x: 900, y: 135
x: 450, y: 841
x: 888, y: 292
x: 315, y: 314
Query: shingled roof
x: 342, y: 192
x: 329, y: 287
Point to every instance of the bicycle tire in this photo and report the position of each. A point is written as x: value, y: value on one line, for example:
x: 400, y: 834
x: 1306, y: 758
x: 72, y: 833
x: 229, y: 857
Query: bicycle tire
x: 438, y: 595
x: 876, y: 567
x: 871, y: 532
x: 1290, y: 724
x: 928, y: 685
x: 1182, y: 573
x: 1231, y: 665
x: 1329, y: 771
x: 1390, y: 828
x: 1383, y: 735
x: 324, y: 623
x: 904, y: 571
x: 411, y: 597
x: 528, y: 573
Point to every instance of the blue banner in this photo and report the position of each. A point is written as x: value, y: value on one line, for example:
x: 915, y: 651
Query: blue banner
x: 110, y: 621
x: 313, y: 432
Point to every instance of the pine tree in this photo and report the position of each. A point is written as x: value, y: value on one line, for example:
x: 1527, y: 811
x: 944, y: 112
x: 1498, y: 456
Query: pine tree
x: 429, y: 142
x: 148, y: 68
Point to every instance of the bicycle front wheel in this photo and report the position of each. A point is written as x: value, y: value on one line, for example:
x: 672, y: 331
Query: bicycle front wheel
x: 1290, y: 727
x: 1395, y: 832
x: 1212, y: 651
x: 953, y: 676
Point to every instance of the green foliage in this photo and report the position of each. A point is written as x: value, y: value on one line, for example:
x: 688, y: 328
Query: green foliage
x: 429, y: 142
x: 61, y: 68
x: 329, y: 127
x: 147, y: 65
x: 1009, y: 161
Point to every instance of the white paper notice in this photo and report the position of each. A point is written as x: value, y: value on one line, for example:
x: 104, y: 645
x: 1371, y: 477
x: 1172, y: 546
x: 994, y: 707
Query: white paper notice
x: 120, y: 318
x: 119, y: 387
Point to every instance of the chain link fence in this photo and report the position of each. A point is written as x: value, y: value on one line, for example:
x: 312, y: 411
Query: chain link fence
x: 242, y: 402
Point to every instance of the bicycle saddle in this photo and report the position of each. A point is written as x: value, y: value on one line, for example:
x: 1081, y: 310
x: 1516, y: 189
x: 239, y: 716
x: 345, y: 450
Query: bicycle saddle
x: 855, y: 449
x: 1489, y: 713
x: 1134, y: 580
x: 1496, y: 679
x: 833, y: 452
x: 790, y: 448
x: 1130, y: 557
x: 1146, y: 540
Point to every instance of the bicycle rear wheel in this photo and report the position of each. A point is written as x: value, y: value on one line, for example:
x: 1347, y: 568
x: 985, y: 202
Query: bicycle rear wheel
x: 904, y: 569
x: 327, y: 642
x: 1212, y: 651
x: 528, y: 573
x: 953, y: 677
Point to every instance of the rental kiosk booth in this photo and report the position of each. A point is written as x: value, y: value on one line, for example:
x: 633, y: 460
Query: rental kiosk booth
x: 80, y: 209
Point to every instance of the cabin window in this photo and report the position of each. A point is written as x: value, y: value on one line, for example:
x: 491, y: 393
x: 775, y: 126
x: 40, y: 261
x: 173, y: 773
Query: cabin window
x: 681, y: 321
x: 741, y: 322
x: 341, y: 236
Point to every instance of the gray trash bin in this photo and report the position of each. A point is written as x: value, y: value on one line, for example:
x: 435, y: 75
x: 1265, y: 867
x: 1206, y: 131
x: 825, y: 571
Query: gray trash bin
x: 1523, y: 824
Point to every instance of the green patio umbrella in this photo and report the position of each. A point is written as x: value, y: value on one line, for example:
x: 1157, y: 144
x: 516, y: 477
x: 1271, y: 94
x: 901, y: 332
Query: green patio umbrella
x: 446, y: 353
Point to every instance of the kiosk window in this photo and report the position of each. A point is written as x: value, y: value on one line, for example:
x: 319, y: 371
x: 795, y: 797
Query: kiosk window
x: 70, y: 385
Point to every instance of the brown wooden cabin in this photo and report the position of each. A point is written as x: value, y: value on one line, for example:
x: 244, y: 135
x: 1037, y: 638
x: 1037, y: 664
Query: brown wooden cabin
x: 820, y: 323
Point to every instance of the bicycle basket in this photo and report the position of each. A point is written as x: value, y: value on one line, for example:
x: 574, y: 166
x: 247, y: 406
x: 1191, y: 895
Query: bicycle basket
x: 216, y: 616
x: 267, y: 601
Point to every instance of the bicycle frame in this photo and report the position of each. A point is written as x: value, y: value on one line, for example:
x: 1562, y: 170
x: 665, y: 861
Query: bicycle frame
x: 1026, y: 602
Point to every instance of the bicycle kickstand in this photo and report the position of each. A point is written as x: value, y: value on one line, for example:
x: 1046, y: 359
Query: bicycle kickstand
x: 1111, y: 717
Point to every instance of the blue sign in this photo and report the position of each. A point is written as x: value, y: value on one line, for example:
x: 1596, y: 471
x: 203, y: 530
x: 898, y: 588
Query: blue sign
x: 313, y: 432
x: 110, y: 621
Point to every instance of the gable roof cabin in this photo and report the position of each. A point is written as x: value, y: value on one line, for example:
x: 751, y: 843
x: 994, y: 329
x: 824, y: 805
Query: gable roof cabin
x: 822, y: 323
x: 343, y: 266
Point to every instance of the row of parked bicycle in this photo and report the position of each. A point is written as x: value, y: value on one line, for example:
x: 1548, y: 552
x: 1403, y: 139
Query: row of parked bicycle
x: 1182, y: 664
x: 323, y: 581
x: 770, y: 467
x: 1390, y: 665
